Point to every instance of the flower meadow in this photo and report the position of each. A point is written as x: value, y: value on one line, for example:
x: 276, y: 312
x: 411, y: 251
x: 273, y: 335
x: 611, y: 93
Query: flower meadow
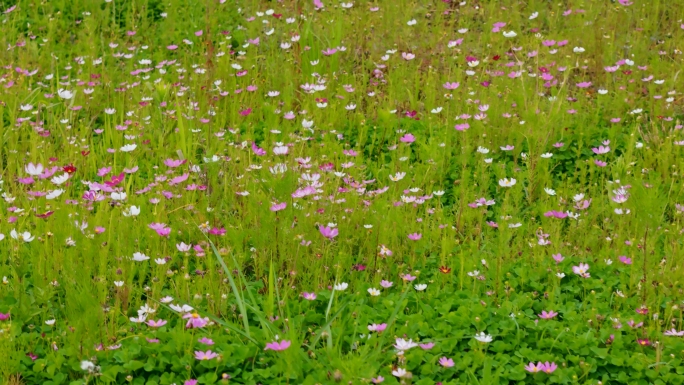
x: 361, y: 192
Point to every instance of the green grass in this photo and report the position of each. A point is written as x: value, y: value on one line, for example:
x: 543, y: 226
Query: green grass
x: 169, y: 107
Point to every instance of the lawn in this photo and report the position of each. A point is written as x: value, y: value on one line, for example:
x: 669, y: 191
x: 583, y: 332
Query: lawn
x: 363, y: 192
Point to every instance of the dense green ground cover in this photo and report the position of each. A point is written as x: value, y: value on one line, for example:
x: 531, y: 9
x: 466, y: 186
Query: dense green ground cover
x: 307, y: 192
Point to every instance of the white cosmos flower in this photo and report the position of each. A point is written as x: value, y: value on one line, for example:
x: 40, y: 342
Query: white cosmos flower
x: 131, y: 211
x: 412, y: 22
x: 399, y: 372
x: 510, y: 34
x: 602, y: 91
x: 373, y: 292
x: 505, y: 182
x: 546, y: 155
x: 398, y: 176
x: 485, y: 338
x: 341, y: 286
x: 34, y: 169
x: 140, y: 257
x: 65, y: 94
x: 578, y: 50
x: 550, y: 191
x: 118, y: 283
x: 436, y: 110
x: 25, y: 236
x: 110, y: 111
x: 50, y: 322
x: 87, y: 366
x: 59, y: 179
x: 560, y: 275
x: 118, y: 196
x: 420, y: 287
x: 402, y: 344
x: 54, y: 194
x: 128, y: 147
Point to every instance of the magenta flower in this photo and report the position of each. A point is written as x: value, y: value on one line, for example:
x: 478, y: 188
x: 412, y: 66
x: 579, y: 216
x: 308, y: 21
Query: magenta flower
x: 462, y: 127
x: 415, y: 236
x: 190, y: 382
x: 205, y: 356
x: 257, y: 150
x: 555, y: 214
x: 161, y: 229
x: 408, y: 277
x: 328, y: 232
x: 601, y: 150
x: 195, y: 321
x: 532, y: 368
x: 549, y: 315
x: 408, y: 138
x: 625, y: 260
x: 174, y: 163
x: 581, y: 270
x: 377, y: 327
x: 446, y: 362
x: 156, y: 324
x: 4, y: 317
x: 278, y: 346
x: 278, y: 206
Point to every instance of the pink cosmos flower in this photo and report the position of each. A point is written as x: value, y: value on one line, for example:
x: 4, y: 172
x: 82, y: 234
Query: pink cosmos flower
x: 173, y: 163
x: 549, y: 315
x: 558, y: 258
x: 4, y: 316
x: 328, y: 232
x: 581, y: 270
x: 278, y: 206
x: 278, y: 346
x: 446, y: 362
x: 555, y: 214
x: 625, y: 260
x: 204, y: 356
x: 427, y: 346
x: 451, y: 86
x: 601, y: 150
x: 600, y: 163
x: 377, y: 327
x: 156, y: 324
x: 257, y: 150
x: 309, y: 296
x: 415, y: 236
x: 408, y: 277
x: 195, y: 321
x: 386, y: 284
x: 407, y: 56
x: 408, y: 138
x: 161, y: 229
x: 206, y: 341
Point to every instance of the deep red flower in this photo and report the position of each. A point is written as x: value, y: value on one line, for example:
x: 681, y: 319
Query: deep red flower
x: 69, y: 168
